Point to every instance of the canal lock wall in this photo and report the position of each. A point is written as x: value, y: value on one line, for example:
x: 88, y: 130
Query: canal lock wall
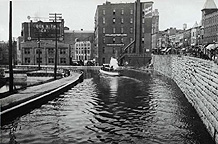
x: 198, y: 80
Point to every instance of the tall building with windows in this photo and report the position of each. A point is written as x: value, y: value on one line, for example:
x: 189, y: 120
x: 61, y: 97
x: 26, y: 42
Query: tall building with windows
x: 155, y: 29
x: 33, y: 52
x: 155, y: 21
x: 81, y: 43
x: 37, y: 44
x: 83, y: 50
x: 210, y: 22
x: 123, y: 31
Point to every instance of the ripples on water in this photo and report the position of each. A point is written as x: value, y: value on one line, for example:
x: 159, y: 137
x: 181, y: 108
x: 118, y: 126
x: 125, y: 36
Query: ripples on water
x: 141, y: 108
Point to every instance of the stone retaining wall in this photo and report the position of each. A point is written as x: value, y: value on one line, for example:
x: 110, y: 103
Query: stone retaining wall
x: 198, y: 80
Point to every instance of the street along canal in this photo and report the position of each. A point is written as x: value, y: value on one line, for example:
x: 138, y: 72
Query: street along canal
x: 144, y: 108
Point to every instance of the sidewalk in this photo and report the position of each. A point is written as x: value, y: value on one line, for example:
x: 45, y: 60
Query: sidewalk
x: 37, y: 92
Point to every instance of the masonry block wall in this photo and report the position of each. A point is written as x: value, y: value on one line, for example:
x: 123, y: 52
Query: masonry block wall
x: 198, y: 80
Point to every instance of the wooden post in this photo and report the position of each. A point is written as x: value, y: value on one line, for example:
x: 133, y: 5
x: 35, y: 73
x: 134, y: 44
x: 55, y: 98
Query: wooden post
x: 11, y: 82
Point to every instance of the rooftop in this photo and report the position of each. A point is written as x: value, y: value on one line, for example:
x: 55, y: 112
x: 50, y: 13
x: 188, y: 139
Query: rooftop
x: 210, y: 4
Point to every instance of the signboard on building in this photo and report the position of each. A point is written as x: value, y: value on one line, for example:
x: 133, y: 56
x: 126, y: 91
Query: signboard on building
x: 115, y: 44
x: 114, y: 35
x: 42, y: 30
x: 147, y: 10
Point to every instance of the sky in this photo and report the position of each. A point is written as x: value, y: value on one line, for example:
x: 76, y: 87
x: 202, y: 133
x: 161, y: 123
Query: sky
x: 79, y: 14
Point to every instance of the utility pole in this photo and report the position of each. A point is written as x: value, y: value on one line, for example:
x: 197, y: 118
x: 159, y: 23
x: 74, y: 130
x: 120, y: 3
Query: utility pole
x: 39, y: 51
x: 53, y: 16
x: 11, y: 82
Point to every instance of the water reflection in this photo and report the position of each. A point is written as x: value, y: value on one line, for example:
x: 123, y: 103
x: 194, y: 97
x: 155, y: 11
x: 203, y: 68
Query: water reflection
x: 134, y: 108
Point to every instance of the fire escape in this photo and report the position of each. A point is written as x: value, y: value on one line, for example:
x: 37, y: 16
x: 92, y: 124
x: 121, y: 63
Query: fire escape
x: 124, y: 53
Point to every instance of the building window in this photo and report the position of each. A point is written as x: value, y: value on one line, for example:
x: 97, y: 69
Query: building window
x: 103, y: 12
x: 131, y: 20
x: 50, y: 60
x: 37, y: 60
x: 113, y: 50
x: 131, y: 30
x: 143, y: 30
x: 103, y: 60
x: 27, y: 60
x: 131, y: 11
x: 50, y: 51
x: 27, y: 51
x: 114, y: 40
x: 143, y: 40
x: 114, y: 20
x: 122, y: 20
x: 38, y: 51
x: 114, y: 30
x: 121, y: 30
x: 62, y: 51
x: 63, y: 60
x: 103, y: 50
x: 122, y: 11
x: 103, y: 30
x: 121, y: 40
x: 104, y: 40
x: 143, y: 20
x: 114, y: 12
x: 103, y: 20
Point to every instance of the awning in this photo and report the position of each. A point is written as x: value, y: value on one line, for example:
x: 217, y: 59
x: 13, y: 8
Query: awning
x: 211, y: 46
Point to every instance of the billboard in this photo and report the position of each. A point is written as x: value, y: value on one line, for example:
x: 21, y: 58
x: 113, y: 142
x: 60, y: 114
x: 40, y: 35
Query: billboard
x: 42, y: 30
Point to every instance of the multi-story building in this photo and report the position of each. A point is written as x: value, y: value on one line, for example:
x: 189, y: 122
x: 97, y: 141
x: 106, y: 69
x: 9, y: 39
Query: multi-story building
x: 123, y: 31
x: 195, y: 35
x: 155, y: 30
x: 83, y: 50
x: 210, y: 22
x: 187, y: 38
x: 81, y: 42
x: 33, y: 52
x: 39, y: 43
x: 155, y: 21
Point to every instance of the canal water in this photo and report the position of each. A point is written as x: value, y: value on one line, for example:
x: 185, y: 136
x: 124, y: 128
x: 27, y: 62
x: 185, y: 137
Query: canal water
x: 136, y: 108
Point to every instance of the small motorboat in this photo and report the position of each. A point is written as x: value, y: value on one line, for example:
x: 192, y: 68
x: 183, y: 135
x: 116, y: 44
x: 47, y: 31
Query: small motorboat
x: 106, y: 69
x: 110, y: 69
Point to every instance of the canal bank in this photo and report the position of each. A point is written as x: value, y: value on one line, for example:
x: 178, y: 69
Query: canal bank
x: 198, y: 80
x: 34, y: 95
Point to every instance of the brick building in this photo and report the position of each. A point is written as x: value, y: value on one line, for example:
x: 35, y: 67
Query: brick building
x: 155, y: 29
x: 37, y: 44
x: 210, y: 22
x: 123, y: 31
x: 32, y: 53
